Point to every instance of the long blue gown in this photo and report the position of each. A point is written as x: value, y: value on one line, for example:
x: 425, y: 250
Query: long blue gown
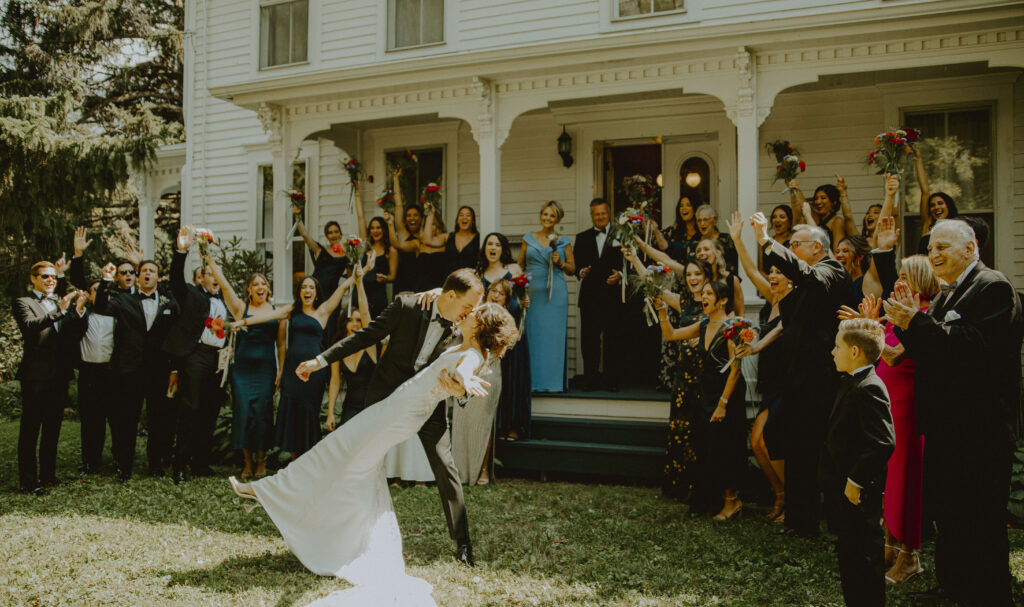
x: 298, y: 411
x: 547, y: 321
x: 252, y: 387
x: 515, y: 402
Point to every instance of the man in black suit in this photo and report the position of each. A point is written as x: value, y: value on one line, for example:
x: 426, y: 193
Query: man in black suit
x: 966, y: 349
x: 599, y: 258
x: 858, y: 443
x: 417, y: 337
x: 820, y: 287
x: 194, y: 349
x: 44, y: 372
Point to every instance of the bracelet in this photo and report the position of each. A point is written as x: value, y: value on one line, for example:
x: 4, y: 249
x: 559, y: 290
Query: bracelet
x: 245, y: 322
x: 723, y: 400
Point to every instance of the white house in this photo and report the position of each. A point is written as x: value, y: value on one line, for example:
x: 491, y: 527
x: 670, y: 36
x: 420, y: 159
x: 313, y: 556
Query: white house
x: 485, y: 88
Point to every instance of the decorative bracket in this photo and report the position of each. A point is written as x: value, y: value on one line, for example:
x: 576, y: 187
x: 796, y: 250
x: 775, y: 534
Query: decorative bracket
x: 270, y: 117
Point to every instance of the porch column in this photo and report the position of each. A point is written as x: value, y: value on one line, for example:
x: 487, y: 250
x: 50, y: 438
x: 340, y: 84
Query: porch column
x: 272, y: 120
x: 147, y: 211
x: 489, y: 142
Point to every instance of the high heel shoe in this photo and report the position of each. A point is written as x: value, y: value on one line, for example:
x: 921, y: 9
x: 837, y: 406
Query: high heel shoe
x: 261, y: 465
x: 237, y: 488
x: 779, y: 506
x: 733, y: 508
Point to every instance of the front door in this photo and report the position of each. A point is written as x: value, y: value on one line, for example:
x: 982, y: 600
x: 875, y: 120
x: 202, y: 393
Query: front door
x: 690, y: 168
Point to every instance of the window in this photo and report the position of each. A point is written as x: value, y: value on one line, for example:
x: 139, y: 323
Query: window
x: 428, y: 169
x: 414, y: 23
x: 957, y: 153
x: 641, y: 8
x: 284, y: 32
x: 265, y: 227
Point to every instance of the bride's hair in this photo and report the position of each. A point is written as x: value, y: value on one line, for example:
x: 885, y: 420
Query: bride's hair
x: 495, y: 328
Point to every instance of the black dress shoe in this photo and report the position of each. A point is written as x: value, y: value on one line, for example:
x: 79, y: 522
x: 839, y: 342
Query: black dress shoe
x: 179, y: 477
x: 464, y: 554
x: 937, y: 593
x: 35, y: 490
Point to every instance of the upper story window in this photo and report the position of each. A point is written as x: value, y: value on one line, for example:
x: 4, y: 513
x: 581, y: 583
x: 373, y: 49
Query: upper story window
x: 641, y: 8
x: 284, y: 32
x: 414, y: 23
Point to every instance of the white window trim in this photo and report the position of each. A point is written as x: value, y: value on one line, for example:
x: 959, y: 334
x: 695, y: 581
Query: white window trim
x: 385, y: 31
x: 617, y: 17
x: 611, y: 22
x: 994, y: 89
x: 312, y: 39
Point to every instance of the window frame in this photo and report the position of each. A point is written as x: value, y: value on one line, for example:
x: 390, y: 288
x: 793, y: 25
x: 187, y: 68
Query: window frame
x: 262, y: 41
x: 266, y: 245
x: 615, y: 17
x: 390, y: 12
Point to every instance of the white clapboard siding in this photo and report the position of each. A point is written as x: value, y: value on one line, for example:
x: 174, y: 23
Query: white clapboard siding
x: 348, y: 32
x: 483, y: 24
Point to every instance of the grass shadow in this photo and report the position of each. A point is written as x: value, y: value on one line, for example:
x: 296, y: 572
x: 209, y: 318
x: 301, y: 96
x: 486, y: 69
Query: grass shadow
x: 277, y: 572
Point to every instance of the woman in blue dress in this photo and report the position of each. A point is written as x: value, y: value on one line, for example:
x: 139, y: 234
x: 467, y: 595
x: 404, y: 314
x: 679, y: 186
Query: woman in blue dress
x: 255, y: 372
x: 547, y: 257
x: 298, y: 410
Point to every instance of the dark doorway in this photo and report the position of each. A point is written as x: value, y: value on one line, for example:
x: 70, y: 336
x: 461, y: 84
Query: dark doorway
x: 625, y: 161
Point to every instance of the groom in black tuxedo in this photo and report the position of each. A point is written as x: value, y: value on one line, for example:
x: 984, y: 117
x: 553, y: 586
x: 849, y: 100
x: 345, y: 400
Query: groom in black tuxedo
x: 599, y: 258
x: 417, y: 338
x: 966, y: 349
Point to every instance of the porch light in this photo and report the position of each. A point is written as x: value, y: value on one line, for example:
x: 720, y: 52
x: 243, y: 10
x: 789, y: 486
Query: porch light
x: 661, y: 181
x: 693, y: 179
x: 565, y: 148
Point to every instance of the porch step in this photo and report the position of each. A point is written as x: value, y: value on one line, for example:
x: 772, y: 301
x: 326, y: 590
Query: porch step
x: 620, y: 432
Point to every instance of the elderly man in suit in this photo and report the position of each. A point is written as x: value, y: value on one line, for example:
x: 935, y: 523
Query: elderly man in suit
x: 820, y: 286
x: 44, y: 372
x: 966, y: 349
x: 598, y: 256
x: 417, y: 337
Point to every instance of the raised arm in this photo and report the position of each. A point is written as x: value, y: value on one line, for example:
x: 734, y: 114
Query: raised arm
x: 179, y: 288
x: 798, y: 203
x: 849, y: 225
x: 235, y: 305
x: 736, y: 231
x: 364, y: 301
x: 427, y: 235
x: 670, y: 333
x: 661, y: 257
x: 922, y: 184
x: 78, y: 279
x: 659, y: 239
x: 311, y: 243
x: 883, y: 263
x: 892, y: 184
x: 328, y: 307
x: 360, y: 220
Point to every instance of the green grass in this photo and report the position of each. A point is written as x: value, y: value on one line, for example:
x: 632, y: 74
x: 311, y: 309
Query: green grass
x: 149, y: 542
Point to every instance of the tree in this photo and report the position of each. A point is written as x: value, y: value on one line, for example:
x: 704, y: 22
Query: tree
x: 88, y: 87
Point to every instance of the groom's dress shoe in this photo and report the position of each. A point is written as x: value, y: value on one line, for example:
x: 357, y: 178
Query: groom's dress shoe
x: 937, y: 593
x: 464, y: 554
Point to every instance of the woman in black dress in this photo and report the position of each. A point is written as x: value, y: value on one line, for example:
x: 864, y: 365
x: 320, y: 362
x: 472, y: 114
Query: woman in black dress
x: 357, y: 369
x: 329, y: 262
x: 680, y: 239
x: 720, y: 430
x: 385, y: 265
x: 462, y: 246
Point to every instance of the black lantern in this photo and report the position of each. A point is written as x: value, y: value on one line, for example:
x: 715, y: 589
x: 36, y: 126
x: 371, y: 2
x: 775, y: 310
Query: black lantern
x: 565, y: 148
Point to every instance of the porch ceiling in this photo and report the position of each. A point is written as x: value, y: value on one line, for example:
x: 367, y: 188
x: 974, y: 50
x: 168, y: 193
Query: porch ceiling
x: 872, y: 78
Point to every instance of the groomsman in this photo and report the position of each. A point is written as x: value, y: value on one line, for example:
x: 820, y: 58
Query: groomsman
x: 966, y: 350
x: 821, y: 285
x: 194, y: 348
x: 598, y: 256
x: 95, y: 334
x: 44, y: 372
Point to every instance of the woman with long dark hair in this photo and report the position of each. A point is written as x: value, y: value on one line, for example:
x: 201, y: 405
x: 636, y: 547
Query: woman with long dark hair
x: 385, y: 267
x: 934, y: 205
x: 680, y: 239
x: 356, y: 369
x: 828, y: 209
x: 462, y: 246
x: 782, y: 228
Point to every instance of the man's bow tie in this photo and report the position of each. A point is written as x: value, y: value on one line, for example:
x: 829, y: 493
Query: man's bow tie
x: 948, y: 289
x: 48, y: 298
x: 144, y: 296
x: 444, y: 322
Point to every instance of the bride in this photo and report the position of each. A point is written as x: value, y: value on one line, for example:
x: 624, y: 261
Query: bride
x: 332, y: 504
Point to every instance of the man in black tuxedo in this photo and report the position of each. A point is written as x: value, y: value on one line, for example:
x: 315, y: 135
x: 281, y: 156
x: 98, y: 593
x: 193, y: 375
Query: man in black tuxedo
x: 417, y: 337
x: 44, y: 372
x: 966, y: 349
x: 194, y: 349
x: 820, y: 287
x: 858, y: 443
x: 599, y: 258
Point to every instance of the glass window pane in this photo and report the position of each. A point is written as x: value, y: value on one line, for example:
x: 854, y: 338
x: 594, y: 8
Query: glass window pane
x: 299, y: 30
x: 667, y: 5
x: 433, y: 21
x: 407, y: 23
x: 628, y: 8
x: 957, y: 153
x: 279, y: 34
x: 267, y: 203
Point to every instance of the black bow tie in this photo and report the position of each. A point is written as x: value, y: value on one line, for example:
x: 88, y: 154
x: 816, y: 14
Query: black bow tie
x: 601, y: 231
x: 144, y: 296
x: 444, y: 322
x: 45, y: 297
x: 948, y: 289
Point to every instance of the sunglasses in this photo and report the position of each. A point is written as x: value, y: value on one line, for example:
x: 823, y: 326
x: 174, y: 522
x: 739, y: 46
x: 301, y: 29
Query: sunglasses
x: 128, y: 272
x: 48, y: 276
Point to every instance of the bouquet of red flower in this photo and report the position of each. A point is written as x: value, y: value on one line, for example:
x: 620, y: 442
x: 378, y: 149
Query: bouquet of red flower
x: 788, y: 162
x: 354, y: 168
x: 204, y: 238
x: 407, y: 160
x: 336, y: 248
x: 738, y: 330
x: 892, y: 148
x: 298, y: 199
x: 519, y: 285
x: 386, y: 201
x: 431, y: 195
x: 629, y: 223
x: 216, y: 326
x: 354, y: 250
x: 641, y: 190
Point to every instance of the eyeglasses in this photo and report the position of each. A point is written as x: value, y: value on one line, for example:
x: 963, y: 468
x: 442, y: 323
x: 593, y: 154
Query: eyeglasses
x: 128, y: 272
x: 48, y: 276
x: 796, y: 243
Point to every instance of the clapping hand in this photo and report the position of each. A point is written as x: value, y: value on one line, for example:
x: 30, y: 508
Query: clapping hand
x: 83, y: 297
x: 65, y: 302
x: 902, y: 306
x: 886, y: 233
x: 81, y: 242
x: 868, y: 308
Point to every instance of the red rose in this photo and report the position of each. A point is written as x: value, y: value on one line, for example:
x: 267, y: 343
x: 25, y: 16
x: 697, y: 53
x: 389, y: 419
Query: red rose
x: 789, y: 150
x: 209, y: 323
x: 336, y: 248
x: 803, y: 166
x: 220, y: 334
x: 433, y: 188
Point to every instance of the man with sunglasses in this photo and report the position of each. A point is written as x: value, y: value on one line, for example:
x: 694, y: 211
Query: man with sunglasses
x: 44, y: 373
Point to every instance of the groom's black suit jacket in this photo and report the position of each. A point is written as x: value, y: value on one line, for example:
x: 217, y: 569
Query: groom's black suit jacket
x: 406, y: 324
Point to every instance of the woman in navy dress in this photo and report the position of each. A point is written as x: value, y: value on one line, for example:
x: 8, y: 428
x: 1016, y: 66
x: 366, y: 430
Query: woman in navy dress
x: 356, y: 369
x: 298, y: 410
x: 385, y: 266
x: 255, y: 371
x: 329, y: 262
x: 547, y: 322
x: 496, y: 265
x: 461, y: 246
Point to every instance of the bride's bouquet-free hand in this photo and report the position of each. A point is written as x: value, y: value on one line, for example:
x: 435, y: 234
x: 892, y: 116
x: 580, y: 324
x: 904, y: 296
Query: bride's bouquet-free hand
x: 739, y: 331
x: 788, y: 164
x: 657, y: 279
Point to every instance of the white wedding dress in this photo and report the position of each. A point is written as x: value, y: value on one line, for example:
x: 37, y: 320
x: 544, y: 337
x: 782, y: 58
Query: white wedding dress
x: 332, y: 504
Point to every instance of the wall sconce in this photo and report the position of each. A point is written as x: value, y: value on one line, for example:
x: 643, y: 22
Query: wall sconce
x: 660, y: 180
x: 565, y: 148
x: 693, y: 179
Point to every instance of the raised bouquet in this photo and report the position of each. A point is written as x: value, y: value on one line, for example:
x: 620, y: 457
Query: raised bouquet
x: 354, y: 168
x: 431, y: 195
x: 519, y: 285
x: 204, y: 238
x: 657, y: 279
x: 739, y: 331
x: 297, y: 198
x: 892, y: 148
x: 386, y: 201
x: 788, y: 163
x: 353, y: 249
x: 407, y: 160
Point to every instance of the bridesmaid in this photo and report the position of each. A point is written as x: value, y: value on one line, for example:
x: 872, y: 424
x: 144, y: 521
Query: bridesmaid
x: 259, y: 356
x: 546, y: 326
x: 680, y: 239
x: 298, y: 411
x: 407, y: 241
x: 495, y: 266
x: 384, y: 268
x: 357, y: 368
x: 709, y: 250
x: 329, y: 261
x: 823, y: 210
x: 461, y: 247
x: 782, y: 226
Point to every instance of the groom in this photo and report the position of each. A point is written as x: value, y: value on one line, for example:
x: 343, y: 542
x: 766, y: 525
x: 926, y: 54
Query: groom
x: 417, y: 337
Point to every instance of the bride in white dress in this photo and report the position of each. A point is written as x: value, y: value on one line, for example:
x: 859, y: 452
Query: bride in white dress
x: 332, y: 504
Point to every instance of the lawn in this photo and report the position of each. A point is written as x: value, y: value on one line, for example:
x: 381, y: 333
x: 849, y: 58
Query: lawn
x: 149, y: 542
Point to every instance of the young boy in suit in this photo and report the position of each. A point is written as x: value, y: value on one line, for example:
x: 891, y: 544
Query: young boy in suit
x: 852, y: 471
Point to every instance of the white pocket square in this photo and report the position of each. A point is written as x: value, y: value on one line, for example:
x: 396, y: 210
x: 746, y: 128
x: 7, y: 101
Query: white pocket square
x: 951, y: 316
x: 166, y: 312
